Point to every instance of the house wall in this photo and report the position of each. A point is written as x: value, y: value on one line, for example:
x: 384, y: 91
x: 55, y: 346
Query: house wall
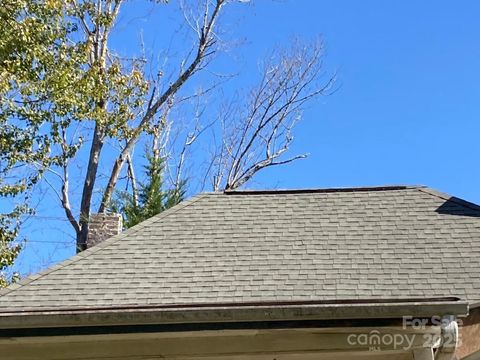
x: 469, y: 334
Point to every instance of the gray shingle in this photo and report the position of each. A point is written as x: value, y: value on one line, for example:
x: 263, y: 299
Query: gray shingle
x: 398, y: 242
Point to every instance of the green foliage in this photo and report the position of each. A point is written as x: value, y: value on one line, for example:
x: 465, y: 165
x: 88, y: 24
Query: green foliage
x: 9, y: 244
x: 24, y: 60
x: 151, y: 199
x: 27, y: 47
x: 51, y: 74
x: 54, y: 78
x: 50, y: 78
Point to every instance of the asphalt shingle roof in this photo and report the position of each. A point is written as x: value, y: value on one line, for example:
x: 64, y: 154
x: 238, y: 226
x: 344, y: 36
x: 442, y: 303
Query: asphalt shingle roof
x: 349, y: 244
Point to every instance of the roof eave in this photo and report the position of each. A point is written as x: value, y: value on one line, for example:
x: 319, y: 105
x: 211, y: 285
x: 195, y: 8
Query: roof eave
x: 229, y: 314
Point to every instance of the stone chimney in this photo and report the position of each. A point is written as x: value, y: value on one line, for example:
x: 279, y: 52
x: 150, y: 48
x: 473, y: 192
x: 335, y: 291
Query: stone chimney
x: 103, y: 226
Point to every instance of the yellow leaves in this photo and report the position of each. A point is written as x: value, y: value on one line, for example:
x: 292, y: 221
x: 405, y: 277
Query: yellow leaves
x: 9, y: 248
x: 45, y: 63
x: 53, y: 4
x: 137, y: 76
x: 114, y: 69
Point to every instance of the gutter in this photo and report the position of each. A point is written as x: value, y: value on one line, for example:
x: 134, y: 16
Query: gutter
x: 232, y: 313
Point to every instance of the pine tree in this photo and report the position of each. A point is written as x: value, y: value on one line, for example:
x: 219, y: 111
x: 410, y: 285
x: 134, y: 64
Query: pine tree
x: 152, y: 196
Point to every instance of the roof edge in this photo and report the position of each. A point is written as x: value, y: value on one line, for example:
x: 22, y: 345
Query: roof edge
x: 77, y: 257
x: 474, y: 305
x: 448, y: 197
x: 322, y: 190
x: 238, y: 313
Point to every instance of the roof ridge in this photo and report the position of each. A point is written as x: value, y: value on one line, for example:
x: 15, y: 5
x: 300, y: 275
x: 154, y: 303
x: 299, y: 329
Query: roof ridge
x: 322, y: 190
x: 77, y: 257
x: 445, y: 196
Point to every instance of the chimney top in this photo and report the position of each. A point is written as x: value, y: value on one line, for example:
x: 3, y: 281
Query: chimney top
x: 103, y: 226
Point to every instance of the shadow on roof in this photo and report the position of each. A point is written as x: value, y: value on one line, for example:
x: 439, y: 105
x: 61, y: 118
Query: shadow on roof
x: 459, y: 207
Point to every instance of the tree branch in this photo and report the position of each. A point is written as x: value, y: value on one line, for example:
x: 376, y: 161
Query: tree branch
x: 206, y: 41
x: 261, y: 134
x: 133, y: 179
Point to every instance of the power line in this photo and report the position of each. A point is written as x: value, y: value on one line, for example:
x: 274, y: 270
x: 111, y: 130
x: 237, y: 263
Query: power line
x: 45, y: 217
x: 50, y: 241
x: 45, y: 241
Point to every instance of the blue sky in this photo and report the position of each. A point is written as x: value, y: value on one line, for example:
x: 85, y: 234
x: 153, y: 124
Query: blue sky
x: 406, y: 110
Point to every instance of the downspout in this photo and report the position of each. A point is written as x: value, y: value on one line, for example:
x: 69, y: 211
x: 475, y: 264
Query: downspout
x: 448, y: 342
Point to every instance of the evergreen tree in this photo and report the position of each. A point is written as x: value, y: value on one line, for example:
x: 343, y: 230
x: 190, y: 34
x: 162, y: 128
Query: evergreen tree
x: 151, y: 198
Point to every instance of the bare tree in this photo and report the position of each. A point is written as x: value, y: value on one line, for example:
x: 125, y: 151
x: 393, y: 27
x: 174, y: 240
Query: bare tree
x: 116, y: 103
x: 98, y: 33
x: 258, y: 134
x: 205, y: 29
